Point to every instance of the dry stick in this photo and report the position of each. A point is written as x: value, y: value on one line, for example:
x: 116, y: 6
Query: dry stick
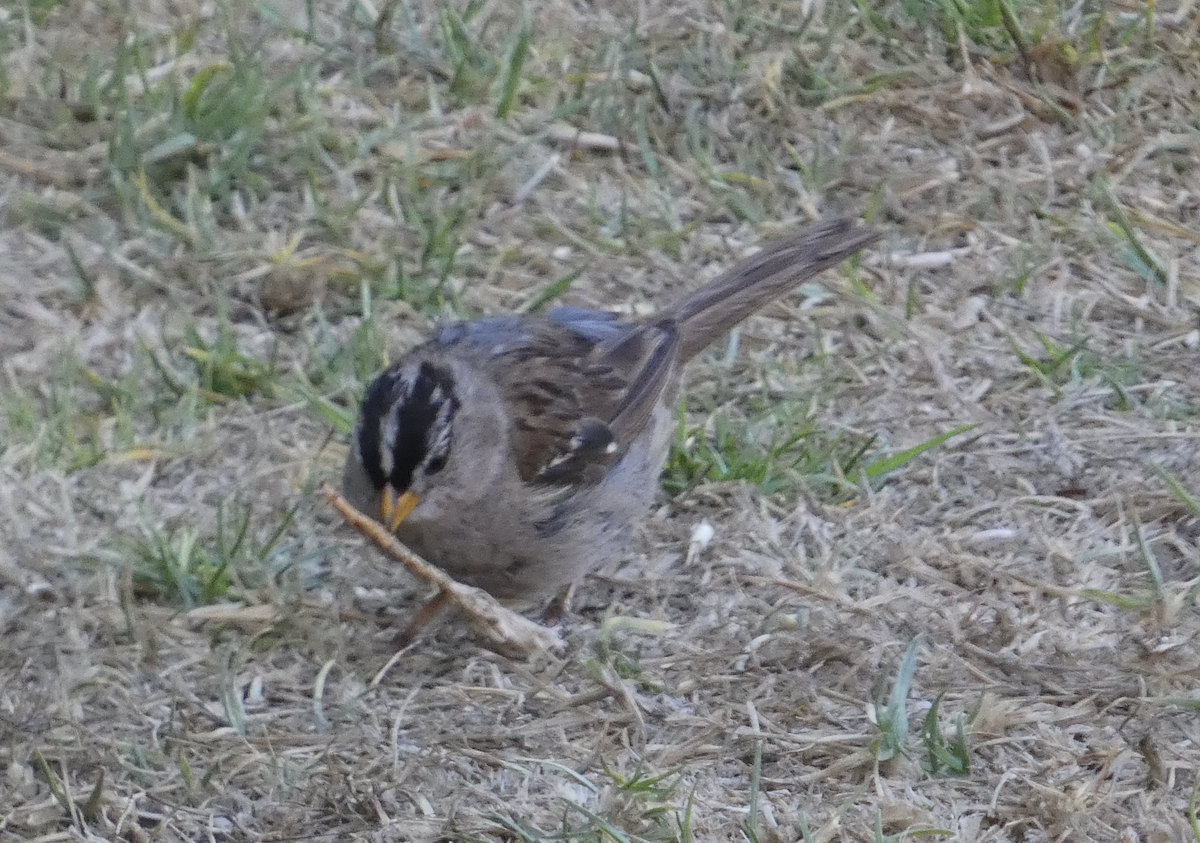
x: 507, y: 630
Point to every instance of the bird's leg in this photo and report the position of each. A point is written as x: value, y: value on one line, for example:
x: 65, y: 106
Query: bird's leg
x: 424, y: 615
x: 558, y: 607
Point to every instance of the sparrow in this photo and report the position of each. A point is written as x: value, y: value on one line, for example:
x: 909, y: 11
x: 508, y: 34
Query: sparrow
x: 518, y: 453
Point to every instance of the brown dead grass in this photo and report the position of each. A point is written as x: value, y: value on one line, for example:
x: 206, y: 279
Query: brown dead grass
x: 268, y: 718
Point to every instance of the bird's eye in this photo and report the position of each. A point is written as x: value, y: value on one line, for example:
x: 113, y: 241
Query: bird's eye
x: 435, y: 464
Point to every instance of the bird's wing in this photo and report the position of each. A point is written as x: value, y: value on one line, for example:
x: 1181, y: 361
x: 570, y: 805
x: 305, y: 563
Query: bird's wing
x: 581, y: 385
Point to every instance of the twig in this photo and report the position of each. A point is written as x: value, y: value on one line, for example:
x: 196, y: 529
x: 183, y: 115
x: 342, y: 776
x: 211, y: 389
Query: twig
x: 506, y: 630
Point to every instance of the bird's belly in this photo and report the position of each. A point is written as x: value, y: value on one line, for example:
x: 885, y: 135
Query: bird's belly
x: 542, y: 541
x: 536, y: 557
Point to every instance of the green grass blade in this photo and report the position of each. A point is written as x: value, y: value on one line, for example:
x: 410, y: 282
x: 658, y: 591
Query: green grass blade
x: 893, y: 720
x: 1147, y: 554
x: 341, y: 418
x: 1177, y: 489
x: 1132, y: 603
x: 511, y: 81
x: 1145, y: 262
x: 548, y: 294
x: 877, y: 468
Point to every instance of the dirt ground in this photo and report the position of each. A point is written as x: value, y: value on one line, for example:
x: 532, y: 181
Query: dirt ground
x: 218, y: 220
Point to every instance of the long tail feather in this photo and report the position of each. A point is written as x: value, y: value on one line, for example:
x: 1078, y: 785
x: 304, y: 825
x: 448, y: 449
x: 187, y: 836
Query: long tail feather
x: 777, y: 267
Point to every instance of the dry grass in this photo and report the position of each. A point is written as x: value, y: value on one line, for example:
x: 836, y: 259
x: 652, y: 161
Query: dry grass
x: 219, y: 219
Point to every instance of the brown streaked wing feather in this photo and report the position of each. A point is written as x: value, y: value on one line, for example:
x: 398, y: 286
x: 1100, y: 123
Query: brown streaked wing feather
x: 647, y: 354
x: 578, y: 405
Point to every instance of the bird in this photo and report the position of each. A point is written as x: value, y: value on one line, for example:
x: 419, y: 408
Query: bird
x: 518, y: 453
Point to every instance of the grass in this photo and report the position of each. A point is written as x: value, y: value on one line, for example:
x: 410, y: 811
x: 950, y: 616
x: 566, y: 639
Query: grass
x: 81, y: 417
x: 639, y: 807
x: 766, y: 454
x: 218, y: 225
x: 945, y: 756
x: 798, y: 454
x: 892, y: 713
x: 182, y: 567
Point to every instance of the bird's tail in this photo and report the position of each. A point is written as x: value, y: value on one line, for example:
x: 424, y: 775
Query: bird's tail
x: 777, y: 267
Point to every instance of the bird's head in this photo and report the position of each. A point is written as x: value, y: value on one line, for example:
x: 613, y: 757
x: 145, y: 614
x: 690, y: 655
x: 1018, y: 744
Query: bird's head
x: 404, y: 441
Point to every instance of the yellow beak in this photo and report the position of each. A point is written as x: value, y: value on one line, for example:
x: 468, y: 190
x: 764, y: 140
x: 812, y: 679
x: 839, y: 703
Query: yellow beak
x: 395, y: 508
